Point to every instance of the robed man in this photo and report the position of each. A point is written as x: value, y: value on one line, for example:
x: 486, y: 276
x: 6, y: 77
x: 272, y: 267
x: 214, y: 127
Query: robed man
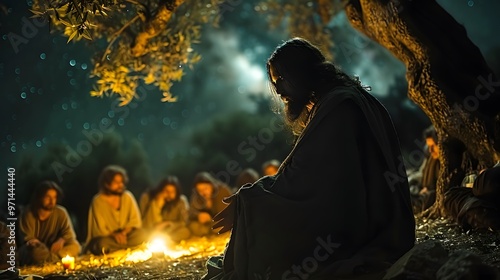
x: 339, y: 206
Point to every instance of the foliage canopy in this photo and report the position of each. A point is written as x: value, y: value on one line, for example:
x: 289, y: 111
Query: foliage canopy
x: 151, y: 41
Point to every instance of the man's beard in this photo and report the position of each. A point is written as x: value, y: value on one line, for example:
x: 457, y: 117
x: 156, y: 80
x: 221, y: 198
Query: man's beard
x: 111, y: 192
x: 297, y: 116
x: 48, y: 207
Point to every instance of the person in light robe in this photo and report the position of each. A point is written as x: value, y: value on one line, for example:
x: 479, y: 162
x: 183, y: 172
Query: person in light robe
x: 46, y: 228
x: 114, y: 220
x: 167, y: 210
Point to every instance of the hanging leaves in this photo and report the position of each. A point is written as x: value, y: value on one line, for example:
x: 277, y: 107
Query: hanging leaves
x: 304, y: 18
x: 117, y: 71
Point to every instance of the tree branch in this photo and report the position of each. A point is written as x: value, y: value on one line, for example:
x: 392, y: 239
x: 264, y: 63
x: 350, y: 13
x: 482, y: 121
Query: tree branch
x: 116, y: 34
x: 154, y: 26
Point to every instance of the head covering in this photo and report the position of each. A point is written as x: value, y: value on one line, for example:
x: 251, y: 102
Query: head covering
x: 247, y: 175
x: 205, y: 177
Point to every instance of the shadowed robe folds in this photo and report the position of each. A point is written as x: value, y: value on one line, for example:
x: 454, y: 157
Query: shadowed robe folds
x: 339, y: 206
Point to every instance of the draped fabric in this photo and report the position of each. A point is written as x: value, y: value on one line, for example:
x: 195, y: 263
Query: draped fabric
x: 58, y: 225
x: 338, y: 207
x: 104, y: 220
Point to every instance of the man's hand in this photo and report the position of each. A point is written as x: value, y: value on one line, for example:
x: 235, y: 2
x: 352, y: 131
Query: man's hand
x: 225, y: 218
x: 33, y: 242
x: 204, y: 218
x: 120, y: 237
x: 424, y: 190
x: 56, y: 246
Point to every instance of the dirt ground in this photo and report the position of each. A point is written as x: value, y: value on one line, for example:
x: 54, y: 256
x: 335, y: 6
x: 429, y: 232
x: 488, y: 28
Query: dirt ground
x: 188, y: 259
x: 484, y: 244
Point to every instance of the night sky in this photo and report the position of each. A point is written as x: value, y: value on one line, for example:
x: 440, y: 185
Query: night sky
x: 45, y: 83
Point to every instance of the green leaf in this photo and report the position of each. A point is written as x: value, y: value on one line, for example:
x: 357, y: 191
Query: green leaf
x: 86, y: 35
x: 69, y: 8
x: 66, y: 23
x: 72, y: 36
x: 57, y: 14
x: 37, y: 13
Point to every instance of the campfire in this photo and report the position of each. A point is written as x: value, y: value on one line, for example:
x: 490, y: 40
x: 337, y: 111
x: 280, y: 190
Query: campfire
x: 158, y: 256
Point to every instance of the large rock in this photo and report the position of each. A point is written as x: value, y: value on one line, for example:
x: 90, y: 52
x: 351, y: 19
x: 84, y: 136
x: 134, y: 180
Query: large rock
x: 429, y: 260
x: 421, y: 262
x: 463, y: 265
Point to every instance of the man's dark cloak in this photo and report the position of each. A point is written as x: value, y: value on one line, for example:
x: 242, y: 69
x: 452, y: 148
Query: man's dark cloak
x: 338, y: 207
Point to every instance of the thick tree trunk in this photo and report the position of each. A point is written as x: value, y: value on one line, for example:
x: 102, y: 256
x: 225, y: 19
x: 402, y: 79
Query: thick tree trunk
x: 448, y: 79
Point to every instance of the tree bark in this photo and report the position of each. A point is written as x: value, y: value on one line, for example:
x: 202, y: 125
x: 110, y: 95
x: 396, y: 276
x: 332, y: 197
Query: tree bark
x: 155, y: 25
x: 448, y: 79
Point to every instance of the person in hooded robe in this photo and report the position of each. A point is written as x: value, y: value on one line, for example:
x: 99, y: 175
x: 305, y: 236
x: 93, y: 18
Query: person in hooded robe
x: 270, y: 167
x: 339, y: 206
x: 247, y: 175
x: 206, y: 201
x: 167, y: 210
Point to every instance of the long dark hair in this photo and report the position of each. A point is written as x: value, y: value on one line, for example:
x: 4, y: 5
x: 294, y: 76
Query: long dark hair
x: 107, y: 175
x: 205, y: 177
x: 41, y: 189
x: 169, y: 180
x: 304, y: 73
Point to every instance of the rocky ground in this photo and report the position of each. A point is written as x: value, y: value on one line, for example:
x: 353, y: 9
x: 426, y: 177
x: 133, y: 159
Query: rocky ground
x: 187, y: 260
x: 484, y: 244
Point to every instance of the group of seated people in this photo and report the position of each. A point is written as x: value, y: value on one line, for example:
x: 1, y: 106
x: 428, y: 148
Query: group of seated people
x: 475, y: 204
x: 116, y: 221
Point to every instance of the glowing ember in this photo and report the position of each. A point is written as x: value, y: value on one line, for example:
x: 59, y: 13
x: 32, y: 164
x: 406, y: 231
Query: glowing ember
x: 138, y: 256
x: 176, y: 258
x: 174, y: 254
x: 157, y: 246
